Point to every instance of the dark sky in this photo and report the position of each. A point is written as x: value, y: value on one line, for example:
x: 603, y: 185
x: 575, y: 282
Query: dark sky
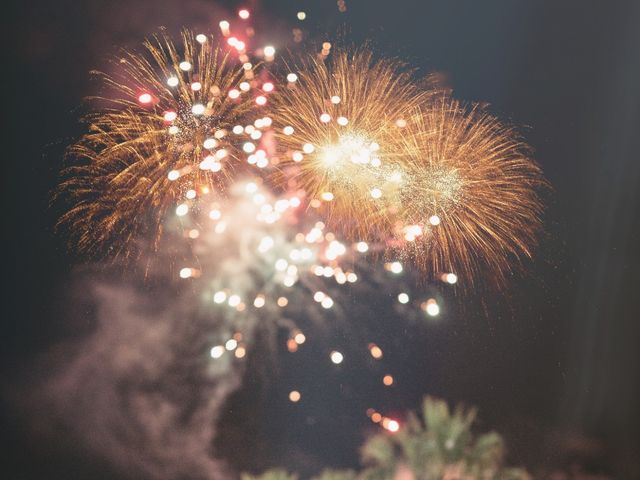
x: 557, y: 353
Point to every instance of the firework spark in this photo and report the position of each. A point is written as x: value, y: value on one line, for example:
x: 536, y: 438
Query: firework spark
x: 471, y: 199
x: 336, y: 121
x: 162, y: 127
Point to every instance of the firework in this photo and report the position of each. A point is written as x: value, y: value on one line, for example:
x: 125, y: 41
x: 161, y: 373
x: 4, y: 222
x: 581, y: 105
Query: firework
x: 335, y: 123
x: 384, y: 159
x: 470, y: 200
x: 162, y: 127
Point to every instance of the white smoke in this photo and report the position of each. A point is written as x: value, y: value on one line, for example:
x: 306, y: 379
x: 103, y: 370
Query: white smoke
x: 141, y: 390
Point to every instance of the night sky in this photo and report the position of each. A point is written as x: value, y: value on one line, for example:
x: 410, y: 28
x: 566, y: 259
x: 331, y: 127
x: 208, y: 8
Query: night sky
x: 552, y: 363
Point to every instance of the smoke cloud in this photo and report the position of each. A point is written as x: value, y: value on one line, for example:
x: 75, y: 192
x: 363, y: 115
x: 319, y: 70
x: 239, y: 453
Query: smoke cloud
x: 140, y: 390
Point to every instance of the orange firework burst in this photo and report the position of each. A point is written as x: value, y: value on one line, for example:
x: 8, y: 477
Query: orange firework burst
x: 160, y: 131
x: 336, y: 122
x: 470, y: 203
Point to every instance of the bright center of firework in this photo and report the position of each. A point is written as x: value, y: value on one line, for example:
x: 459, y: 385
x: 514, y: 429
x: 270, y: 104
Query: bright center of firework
x: 195, y: 131
x: 441, y: 188
x: 349, y: 149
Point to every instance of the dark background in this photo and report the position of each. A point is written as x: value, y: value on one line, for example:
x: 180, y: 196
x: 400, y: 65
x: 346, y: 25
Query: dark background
x: 554, y: 364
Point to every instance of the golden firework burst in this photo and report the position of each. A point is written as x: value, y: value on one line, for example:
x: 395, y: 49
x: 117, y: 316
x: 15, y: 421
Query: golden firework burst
x: 158, y: 133
x: 335, y: 122
x: 470, y: 203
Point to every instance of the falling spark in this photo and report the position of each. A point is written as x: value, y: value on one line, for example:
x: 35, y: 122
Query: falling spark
x: 217, y: 351
x: 431, y: 307
x: 376, y: 351
x: 336, y: 357
x: 294, y: 396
